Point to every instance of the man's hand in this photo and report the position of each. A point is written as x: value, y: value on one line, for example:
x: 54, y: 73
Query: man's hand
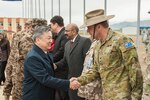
x: 74, y: 84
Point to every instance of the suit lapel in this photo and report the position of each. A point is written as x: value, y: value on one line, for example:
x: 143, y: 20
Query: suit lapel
x: 58, y: 39
x: 46, y: 58
x: 75, y: 44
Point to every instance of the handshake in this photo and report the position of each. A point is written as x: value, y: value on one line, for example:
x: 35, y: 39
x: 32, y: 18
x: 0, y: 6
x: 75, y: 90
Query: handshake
x: 74, y: 84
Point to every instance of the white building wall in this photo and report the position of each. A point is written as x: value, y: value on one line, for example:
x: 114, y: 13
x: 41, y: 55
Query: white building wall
x: 13, y: 21
x: 5, y: 23
x: 22, y: 23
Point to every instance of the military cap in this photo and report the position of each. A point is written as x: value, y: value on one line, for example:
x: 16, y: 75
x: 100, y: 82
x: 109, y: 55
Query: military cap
x: 38, y: 22
x: 95, y: 17
x: 29, y: 21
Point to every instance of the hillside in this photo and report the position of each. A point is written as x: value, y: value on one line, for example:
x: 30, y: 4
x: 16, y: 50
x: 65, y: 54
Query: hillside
x: 130, y: 24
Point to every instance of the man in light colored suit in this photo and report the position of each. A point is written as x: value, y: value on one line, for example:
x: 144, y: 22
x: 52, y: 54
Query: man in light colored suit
x: 74, y: 55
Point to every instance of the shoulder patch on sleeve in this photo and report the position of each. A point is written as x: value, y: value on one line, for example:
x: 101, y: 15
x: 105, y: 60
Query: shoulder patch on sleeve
x: 128, y: 45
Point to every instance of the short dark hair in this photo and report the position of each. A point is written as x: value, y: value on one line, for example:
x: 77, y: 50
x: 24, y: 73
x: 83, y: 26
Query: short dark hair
x: 57, y: 19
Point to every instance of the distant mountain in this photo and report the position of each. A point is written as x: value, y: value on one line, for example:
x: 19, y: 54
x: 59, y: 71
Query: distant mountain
x: 130, y: 24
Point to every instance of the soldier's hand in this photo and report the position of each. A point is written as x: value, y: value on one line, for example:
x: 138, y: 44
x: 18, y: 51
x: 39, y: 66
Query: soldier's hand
x: 74, y: 84
x: 72, y: 79
x: 6, y: 97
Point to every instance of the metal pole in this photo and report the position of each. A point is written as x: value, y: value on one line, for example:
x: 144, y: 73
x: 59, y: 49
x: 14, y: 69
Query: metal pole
x: 35, y: 9
x: 51, y: 8
x: 69, y: 11
x: 39, y: 10
x: 58, y: 7
x: 84, y: 8
x: 105, y: 9
x: 23, y: 8
x: 84, y: 11
x: 31, y: 8
x: 44, y: 10
x: 138, y: 23
x: 28, y: 9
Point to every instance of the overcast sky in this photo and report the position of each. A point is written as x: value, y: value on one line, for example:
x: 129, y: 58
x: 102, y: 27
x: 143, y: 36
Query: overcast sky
x: 124, y: 10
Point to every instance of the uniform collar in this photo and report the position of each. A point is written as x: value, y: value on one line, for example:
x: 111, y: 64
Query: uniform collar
x: 110, y: 33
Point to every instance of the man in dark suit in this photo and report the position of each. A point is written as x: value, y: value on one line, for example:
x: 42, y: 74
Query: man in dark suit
x: 57, y: 27
x: 39, y: 81
x: 75, y: 52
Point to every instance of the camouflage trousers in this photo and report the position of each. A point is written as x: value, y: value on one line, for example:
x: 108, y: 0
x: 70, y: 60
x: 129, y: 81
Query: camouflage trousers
x: 17, y: 94
x: 147, y: 81
x: 18, y: 82
x: 91, y: 91
x: 17, y: 91
x: 148, y: 54
x: 146, y: 89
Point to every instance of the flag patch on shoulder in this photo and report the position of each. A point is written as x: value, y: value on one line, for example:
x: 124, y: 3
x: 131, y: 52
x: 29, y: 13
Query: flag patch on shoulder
x: 128, y: 45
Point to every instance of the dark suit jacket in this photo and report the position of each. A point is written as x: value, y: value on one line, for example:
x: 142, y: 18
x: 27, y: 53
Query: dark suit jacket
x: 74, y: 58
x: 39, y: 82
x: 60, y: 41
x: 58, y: 53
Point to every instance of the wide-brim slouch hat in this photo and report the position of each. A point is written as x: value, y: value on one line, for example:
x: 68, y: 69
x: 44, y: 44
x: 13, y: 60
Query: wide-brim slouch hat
x: 95, y: 17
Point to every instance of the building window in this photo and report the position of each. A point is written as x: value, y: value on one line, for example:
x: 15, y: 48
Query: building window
x: 17, y: 24
x: 1, y: 23
x: 9, y: 23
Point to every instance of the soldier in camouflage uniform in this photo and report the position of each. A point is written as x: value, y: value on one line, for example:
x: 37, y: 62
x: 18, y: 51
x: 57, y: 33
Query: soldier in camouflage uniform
x: 91, y: 91
x: 115, y: 63
x: 10, y: 70
x: 146, y: 92
x: 21, y: 44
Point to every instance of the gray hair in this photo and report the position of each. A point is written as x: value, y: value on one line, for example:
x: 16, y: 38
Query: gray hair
x: 76, y: 28
x: 39, y: 30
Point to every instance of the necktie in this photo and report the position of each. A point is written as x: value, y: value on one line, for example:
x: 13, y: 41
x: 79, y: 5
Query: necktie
x: 71, y: 44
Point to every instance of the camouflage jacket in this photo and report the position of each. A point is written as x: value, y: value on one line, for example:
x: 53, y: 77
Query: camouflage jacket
x: 116, y: 63
x: 147, y: 72
x: 91, y: 91
x: 21, y: 44
x: 10, y: 68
